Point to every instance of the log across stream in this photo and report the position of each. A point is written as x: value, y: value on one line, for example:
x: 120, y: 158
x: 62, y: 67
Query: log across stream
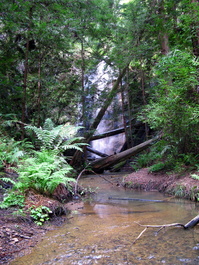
x: 103, y: 231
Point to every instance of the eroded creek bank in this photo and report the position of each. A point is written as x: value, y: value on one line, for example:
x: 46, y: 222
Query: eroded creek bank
x: 102, y: 231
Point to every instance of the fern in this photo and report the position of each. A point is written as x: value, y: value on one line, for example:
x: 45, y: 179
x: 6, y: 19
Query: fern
x: 8, y: 180
x: 43, y: 172
x: 48, y: 125
x: 13, y: 199
x: 12, y: 151
x: 4, y: 180
x: 59, y: 138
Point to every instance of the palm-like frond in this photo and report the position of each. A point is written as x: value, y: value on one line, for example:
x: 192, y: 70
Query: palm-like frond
x: 60, y: 137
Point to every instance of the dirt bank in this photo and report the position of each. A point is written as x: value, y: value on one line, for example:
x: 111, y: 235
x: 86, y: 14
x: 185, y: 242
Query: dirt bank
x: 18, y: 234
x: 178, y: 185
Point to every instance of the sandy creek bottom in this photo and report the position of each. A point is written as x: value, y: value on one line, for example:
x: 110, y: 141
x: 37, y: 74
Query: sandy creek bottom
x: 102, y: 231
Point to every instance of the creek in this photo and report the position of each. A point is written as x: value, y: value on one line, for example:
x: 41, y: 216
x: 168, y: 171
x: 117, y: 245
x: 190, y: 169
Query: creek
x: 103, y: 230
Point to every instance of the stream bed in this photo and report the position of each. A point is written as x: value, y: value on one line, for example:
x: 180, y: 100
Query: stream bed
x: 104, y: 229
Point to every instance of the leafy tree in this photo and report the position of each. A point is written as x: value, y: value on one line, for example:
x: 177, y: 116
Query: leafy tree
x: 173, y: 109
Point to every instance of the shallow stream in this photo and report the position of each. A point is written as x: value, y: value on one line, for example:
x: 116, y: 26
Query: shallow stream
x: 103, y: 231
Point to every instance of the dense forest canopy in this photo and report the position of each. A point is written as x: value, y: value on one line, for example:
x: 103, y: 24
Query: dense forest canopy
x: 50, y: 48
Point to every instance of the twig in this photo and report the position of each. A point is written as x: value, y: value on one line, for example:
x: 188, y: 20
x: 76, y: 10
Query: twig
x: 78, y: 177
x: 140, y: 235
x: 156, y: 226
x: 86, y: 169
x: 159, y: 226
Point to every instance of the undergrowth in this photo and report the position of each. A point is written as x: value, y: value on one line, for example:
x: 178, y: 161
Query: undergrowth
x: 42, y: 170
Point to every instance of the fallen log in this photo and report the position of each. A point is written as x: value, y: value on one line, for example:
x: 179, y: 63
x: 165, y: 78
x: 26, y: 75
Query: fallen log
x: 142, y: 200
x: 94, y: 151
x: 114, y: 132
x: 192, y: 223
x: 104, y: 163
x: 134, y: 199
x: 107, y: 134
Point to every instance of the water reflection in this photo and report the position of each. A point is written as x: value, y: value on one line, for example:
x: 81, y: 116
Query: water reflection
x: 103, y: 232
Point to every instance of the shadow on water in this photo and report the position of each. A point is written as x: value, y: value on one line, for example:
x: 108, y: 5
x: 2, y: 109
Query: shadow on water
x: 104, y: 230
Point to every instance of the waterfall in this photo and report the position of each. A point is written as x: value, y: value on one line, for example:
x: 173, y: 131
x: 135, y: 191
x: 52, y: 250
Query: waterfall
x: 102, y: 80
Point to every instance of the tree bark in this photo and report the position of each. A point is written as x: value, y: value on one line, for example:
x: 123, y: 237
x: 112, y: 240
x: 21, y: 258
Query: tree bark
x: 195, y: 28
x: 124, y: 115
x: 164, y: 39
x: 39, y: 92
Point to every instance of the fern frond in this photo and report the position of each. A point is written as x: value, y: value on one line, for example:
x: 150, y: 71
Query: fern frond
x: 45, y: 136
x: 54, y: 137
x: 48, y: 125
x: 7, y: 180
x: 71, y: 146
x: 74, y: 140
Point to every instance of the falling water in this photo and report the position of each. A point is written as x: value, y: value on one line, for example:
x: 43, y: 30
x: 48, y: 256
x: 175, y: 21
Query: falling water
x: 101, y: 81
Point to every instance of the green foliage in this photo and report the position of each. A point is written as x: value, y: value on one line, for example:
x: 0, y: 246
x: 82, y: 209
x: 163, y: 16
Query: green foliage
x: 174, y: 108
x: 13, y: 199
x: 150, y: 157
x: 59, y: 138
x: 43, y: 172
x: 194, y: 193
x: 194, y: 176
x: 143, y: 160
x: 6, y: 180
x: 40, y: 214
x: 180, y: 191
x: 157, y: 167
x: 12, y: 151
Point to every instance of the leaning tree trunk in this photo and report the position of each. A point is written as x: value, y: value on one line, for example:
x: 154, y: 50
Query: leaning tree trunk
x: 107, y: 102
x: 77, y: 158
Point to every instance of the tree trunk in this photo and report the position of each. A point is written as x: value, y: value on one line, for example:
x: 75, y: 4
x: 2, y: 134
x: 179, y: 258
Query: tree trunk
x: 107, y: 102
x: 164, y: 39
x: 25, y: 77
x: 129, y: 108
x: 124, y: 116
x: 105, y: 163
x: 25, y: 88
x: 195, y: 28
x: 39, y: 92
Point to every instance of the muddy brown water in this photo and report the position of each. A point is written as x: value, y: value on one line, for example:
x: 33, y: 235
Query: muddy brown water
x: 103, y: 231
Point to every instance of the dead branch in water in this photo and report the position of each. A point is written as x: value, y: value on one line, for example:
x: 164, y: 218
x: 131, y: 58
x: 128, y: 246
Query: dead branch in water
x: 190, y: 224
x: 89, y: 170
